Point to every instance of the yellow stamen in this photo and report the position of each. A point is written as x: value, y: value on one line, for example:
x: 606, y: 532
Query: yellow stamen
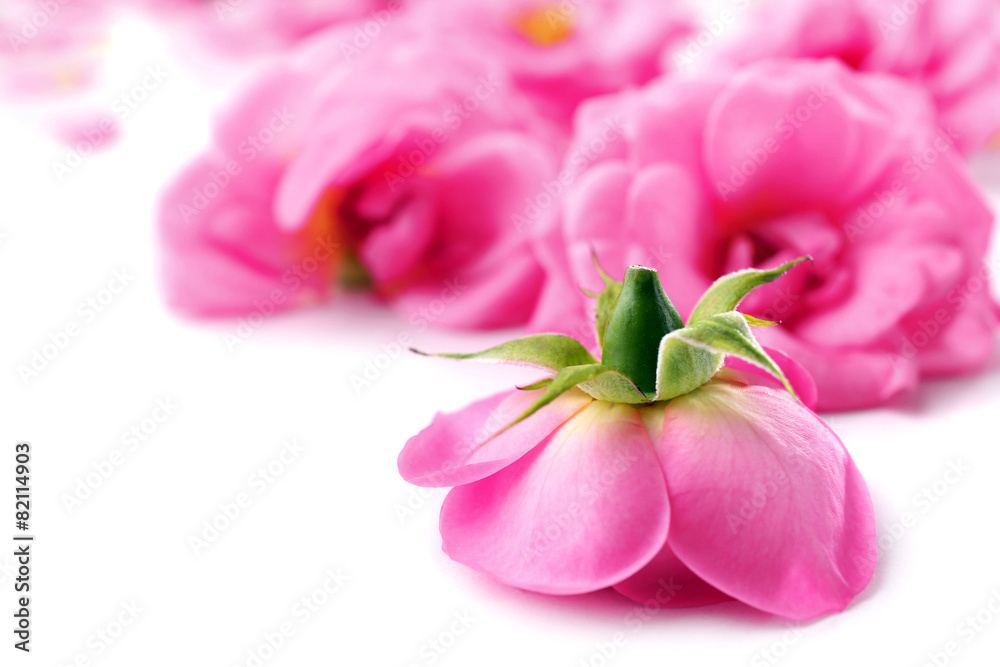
x: 544, y: 25
x: 321, y: 237
x: 995, y: 142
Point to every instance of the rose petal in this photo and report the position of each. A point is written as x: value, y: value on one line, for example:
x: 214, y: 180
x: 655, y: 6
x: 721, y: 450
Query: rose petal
x: 847, y: 379
x: 580, y: 513
x: 225, y: 255
x: 890, y: 281
x: 458, y: 447
x: 765, y: 131
x: 797, y: 375
x: 666, y: 582
x: 967, y: 337
x: 767, y: 505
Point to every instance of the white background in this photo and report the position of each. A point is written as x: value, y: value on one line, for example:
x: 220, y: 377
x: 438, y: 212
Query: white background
x: 337, y: 506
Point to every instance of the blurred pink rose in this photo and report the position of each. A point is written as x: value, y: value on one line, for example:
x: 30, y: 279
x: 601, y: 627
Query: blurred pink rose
x: 950, y: 47
x: 412, y: 155
x: 781, y: 159
x: 242, y: 26
x: 564, y: 51
x: 50, y: 45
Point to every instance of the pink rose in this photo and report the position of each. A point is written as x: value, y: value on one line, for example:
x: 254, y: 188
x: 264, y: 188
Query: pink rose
x: 247, y: 27
x: 564, y: 51
x: 413, y: 156
x: 50, y: 46
x: 949, y: 47
x: 657, y: 502
x: 654, y: 470
x: 782, y: 159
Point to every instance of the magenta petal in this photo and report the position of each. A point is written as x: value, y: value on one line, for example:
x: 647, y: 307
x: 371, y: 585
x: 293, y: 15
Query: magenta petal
x: 801, y: 380
x: 666, y: 582
x: 580, y: 513
x: 458, y: 447
x: 768, y: 507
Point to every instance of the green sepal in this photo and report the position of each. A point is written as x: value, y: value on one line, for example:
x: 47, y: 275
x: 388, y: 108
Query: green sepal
x: 757, y: 322
x: 601, y: 382
x: 606, y: 301
x: 541, y: 384
x: 683, y: 367
x: 565, y: 379
x: 727, y: 292
x: 551, y: 351
x: 615, y: 387
x: 729, y: 334
x: 642, y: 317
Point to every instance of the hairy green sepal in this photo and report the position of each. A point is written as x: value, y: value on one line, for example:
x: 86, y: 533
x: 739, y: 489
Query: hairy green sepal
x: 550, y: 351
x: 607, y: 300
x: 648, y: 353
x: 727, y: 292
x: 729, y: 334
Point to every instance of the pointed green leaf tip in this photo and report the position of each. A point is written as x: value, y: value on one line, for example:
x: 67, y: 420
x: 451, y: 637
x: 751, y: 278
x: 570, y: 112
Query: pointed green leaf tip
x: 606, y: 301
x: 643, y: 315
x: 728, y: 334
x: 648, y: 353
x: 550, y: 351
x: 727, y: 292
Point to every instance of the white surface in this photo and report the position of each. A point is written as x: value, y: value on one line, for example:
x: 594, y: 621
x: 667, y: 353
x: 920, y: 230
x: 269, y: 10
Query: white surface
x: 336, y: 507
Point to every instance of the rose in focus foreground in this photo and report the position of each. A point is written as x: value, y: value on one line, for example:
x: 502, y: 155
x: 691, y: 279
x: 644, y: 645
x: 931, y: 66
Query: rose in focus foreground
x: 656, y: 471
x: 783, y: 158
